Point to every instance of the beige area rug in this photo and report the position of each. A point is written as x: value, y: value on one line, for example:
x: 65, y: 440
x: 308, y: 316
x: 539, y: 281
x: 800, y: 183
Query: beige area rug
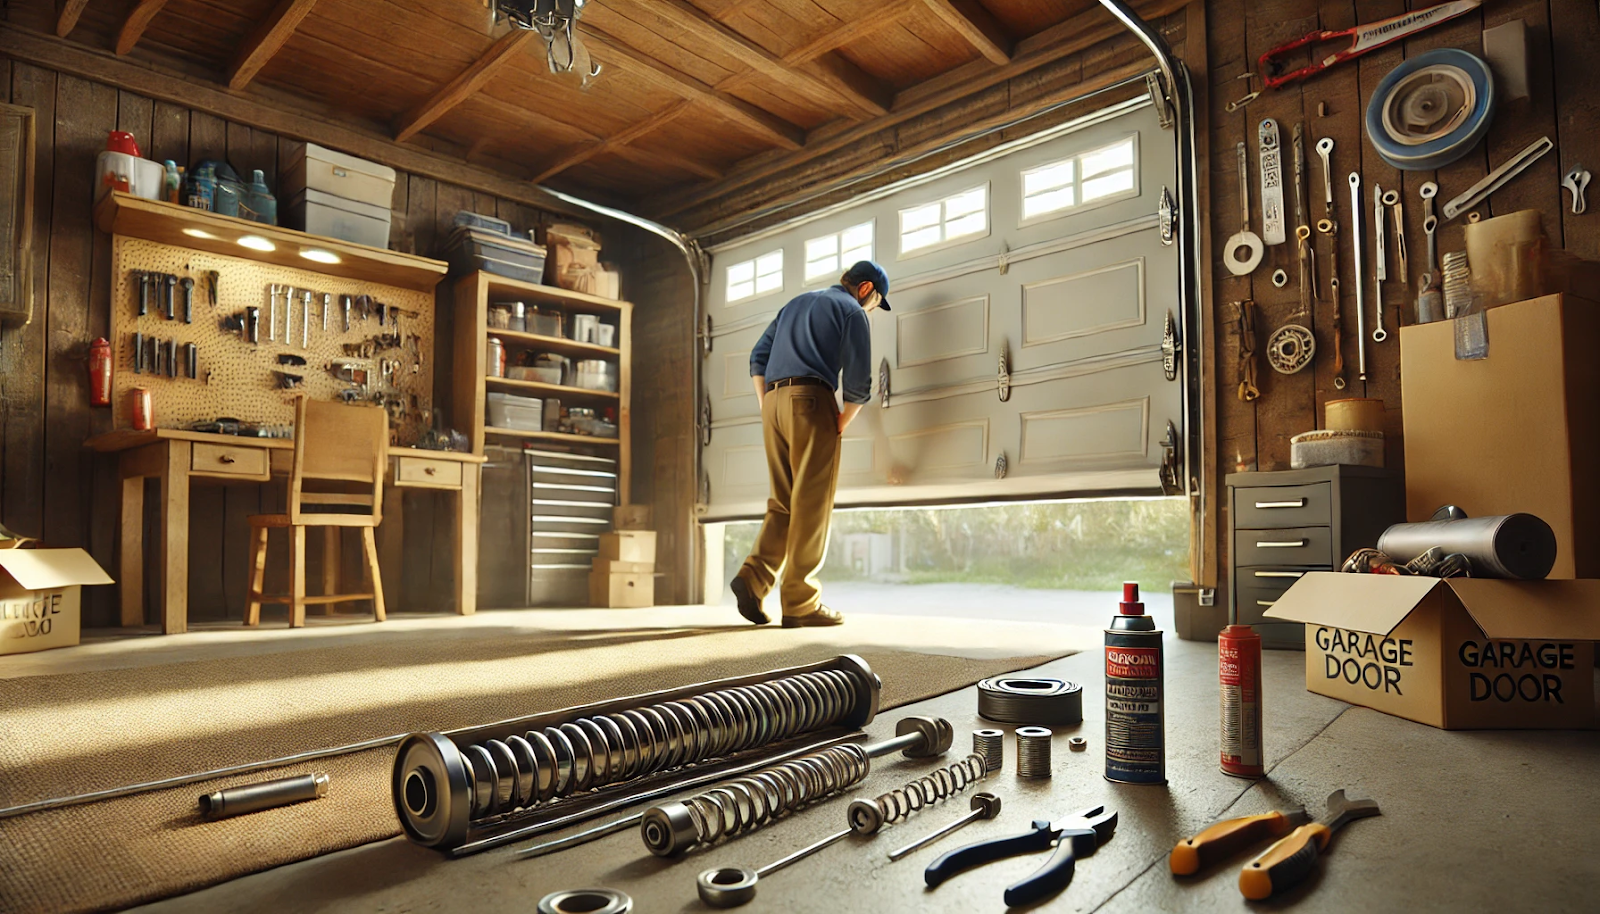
x: 114, y: 713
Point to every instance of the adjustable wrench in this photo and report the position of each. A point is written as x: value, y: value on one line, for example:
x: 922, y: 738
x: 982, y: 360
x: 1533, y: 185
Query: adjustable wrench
x: 1382, y: 270
x: 1361, y: 304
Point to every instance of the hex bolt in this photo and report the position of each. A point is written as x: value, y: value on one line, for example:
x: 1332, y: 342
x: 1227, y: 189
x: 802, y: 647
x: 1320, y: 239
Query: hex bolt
x: 984, y: 806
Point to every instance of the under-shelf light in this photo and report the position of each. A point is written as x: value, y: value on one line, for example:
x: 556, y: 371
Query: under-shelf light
x: 257, y: 243
x: 319, y: 255
x: 199, y: 233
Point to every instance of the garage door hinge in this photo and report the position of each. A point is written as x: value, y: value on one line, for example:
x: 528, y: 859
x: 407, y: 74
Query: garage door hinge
x: 1003, y: 376
x: 883, y: 384
x: 1169, y: 348
x: 1001, y: 466
x: 1152, y: 84
x: 705, y: 337
x: 1166, y: 212
x: 705, y: 422
x: 1171, y: 461
x: 703, y: 505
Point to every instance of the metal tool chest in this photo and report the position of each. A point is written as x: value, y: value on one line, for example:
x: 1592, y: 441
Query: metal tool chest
x: 543, y: 514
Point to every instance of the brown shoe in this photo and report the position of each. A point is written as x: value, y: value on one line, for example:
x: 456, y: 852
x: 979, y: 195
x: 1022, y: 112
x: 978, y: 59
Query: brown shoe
x: 822, y: 615
x: 749, y: 603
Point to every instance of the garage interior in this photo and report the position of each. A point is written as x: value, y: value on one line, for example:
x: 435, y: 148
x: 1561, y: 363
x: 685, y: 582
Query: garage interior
x: 531, y: 246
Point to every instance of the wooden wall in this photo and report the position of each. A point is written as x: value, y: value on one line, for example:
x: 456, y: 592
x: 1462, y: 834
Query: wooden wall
x: 1563, y: 36
x: 50, y: 487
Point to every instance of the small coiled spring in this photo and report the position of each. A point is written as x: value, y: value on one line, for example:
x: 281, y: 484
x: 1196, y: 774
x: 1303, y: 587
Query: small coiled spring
x: 867, y: 816
x: 747, y: 803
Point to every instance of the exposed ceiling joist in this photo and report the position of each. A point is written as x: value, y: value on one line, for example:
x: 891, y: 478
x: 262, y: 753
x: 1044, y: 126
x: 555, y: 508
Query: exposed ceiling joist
x: 883, y: 16
x: 768, y: 125
x: 838, y: 79
x: 138, y: 20
x: 464, y: 85
x: 586, y: 151
x: 68, y: 20
x: 977, y: 26
x: 269, y: 35
x: 657, y: 159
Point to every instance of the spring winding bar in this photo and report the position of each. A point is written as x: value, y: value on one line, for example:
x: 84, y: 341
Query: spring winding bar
x: 447, y: 785
x: 867, y: 816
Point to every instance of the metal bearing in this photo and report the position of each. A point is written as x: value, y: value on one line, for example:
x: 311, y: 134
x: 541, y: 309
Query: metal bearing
x: 1026, y: 700
x: 586, y: 901
x: 726, y: 887
x: 1033, y: 752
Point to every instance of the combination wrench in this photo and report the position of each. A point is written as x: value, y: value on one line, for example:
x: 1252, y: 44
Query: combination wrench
x: 1361, y: 304
x: 1430, y: 300
x: 1402, y: 262
x: 1329, y: 227
x: 1381, y: 269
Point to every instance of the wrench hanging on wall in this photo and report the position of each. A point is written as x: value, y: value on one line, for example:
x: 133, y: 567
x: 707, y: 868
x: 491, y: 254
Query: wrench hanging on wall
x: 1271, y: 160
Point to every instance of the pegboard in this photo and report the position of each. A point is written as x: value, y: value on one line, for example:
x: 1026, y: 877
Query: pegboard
x: 240, y: 380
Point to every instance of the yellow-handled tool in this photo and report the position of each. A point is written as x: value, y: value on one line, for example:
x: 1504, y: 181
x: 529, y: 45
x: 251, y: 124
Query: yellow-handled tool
x: 1292, y: 859
x: 1230, y: 836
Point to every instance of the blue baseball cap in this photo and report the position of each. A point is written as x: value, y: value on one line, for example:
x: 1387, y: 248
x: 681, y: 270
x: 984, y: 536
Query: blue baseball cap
x: 867, y: 271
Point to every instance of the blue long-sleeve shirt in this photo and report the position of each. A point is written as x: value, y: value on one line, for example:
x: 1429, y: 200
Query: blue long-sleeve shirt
x: 819, y: 335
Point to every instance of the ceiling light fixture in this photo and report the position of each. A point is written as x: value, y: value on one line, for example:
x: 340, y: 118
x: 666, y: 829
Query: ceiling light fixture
x: 257, y: 243
x: 557, y: 22
x: 319, y: 255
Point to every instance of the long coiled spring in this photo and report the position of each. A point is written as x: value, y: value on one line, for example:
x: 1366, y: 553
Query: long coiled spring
x: 747, y: 803
x: 541, y: 765
x: 867, y: 816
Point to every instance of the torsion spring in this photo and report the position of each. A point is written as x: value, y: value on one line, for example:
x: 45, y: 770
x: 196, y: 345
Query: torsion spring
x: 443, y: 787
x: 867, y: 816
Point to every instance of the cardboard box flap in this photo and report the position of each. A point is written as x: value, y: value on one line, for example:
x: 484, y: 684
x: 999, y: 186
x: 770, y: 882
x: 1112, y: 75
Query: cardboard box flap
x: 1373, y: 603
x: 1566, y: 610
x: 41, y: 569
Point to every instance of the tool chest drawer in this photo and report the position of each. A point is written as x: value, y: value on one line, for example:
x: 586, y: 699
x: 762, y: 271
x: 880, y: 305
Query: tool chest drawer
x: 223, y: 460
x: 1269, y: 507
x: 426, y: 471
x: 1288, y: 546
x: 1259, y: 588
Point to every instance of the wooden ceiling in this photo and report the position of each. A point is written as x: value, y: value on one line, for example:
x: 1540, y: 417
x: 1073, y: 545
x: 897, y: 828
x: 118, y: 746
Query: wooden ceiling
x: 692, y: 92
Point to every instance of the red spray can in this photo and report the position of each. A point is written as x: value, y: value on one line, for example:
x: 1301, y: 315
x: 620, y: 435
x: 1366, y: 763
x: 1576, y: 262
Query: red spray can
x: 100, y: 372
x: 1239, y: 669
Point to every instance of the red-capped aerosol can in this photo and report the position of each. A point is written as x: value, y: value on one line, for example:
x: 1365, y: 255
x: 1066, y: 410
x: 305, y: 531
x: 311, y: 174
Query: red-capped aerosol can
x: 1136, y: 740
x: 1239, y: 669
x: 100, y: 372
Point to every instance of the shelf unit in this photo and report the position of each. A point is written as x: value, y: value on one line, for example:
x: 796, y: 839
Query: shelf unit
x: 472, y: 295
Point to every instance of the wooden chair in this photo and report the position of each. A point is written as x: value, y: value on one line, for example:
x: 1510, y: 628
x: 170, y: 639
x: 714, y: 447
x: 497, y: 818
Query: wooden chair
x: 334, y: 445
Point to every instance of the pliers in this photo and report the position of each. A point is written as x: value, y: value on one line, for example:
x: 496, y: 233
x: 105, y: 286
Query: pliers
x: 1289, y: 859
x: 1230, y: 836
x: 1073, y: 837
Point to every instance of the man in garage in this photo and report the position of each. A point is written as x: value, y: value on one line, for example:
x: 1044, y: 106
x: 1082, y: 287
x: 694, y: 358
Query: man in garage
x: 796, y: 368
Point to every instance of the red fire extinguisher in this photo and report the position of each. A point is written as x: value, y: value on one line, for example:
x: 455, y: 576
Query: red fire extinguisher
x: 100, y: 372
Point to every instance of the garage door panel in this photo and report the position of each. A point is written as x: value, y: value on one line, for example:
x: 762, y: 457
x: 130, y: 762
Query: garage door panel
x: 942, y: 332
x: 1104, y: 434
x: 1084, y: 303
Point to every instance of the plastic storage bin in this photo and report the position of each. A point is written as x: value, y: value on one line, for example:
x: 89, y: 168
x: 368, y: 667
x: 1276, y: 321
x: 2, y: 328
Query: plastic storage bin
x: 320, y: 213
x: 313, y: 167
x: 594, y: 374
x: 521, y: 414
x: 472, y: 249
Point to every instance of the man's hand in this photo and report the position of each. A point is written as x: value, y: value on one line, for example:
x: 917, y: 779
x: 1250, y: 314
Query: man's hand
x: 847, y: 415
x: 760, y: 382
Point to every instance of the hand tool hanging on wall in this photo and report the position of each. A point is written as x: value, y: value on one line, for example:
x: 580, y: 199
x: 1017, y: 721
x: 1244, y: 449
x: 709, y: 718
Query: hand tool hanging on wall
x: 172, y: 358
x: 1361, y: 298
x: 1292, y: 859
x: 1363, y: 38
x: 1244, y: 249
x: 1397, y: 208
x: 1430, y: 301
x: 305, y: 319
x: 1230, y: 836
x: 169, y: 285
x: 1306, y: 252
x: 1271, y: 162
x: 272, y: 319
x: 344, y: 308
x: 1328, y: 227
x: 1248, y: 391
x: 1431, y: 110
x: 1075, y: 836
x: 188, y: 300
x: 156, y: 352
x: 252, y: 322
x: 288, y: 315
x: 212, y: 278
x: 191, y: 358
x: 1577, y: 182
x: 1381, y: 266
x: 138, y: 353
x: 144, y: 292
x: 327, y: 298
x: 1498, y: 178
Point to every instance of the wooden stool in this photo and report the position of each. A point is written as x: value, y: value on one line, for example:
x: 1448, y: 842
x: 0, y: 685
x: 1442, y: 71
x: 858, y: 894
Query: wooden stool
x: 333, y: 444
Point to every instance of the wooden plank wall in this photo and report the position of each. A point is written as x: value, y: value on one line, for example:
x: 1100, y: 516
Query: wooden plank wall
x: 50, y: 487
x: 1562, y: 39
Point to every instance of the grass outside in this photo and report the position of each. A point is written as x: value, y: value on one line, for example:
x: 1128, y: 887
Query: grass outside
x: 1076, y: 545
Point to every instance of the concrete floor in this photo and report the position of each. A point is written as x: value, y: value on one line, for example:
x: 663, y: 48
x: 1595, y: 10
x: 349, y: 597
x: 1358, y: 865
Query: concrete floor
x: 1472, y: 821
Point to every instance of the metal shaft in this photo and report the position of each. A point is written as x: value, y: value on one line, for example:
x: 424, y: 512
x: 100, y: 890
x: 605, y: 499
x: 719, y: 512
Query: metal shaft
x: 1361, y: 298
x: 804, y: 852
x: 237, y: 801
x: 272, y: 316
x: 926, y: 840
x: 1381, y: 251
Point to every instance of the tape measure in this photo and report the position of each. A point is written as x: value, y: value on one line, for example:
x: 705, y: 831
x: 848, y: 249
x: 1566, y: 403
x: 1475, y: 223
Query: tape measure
x: 1431, y: 110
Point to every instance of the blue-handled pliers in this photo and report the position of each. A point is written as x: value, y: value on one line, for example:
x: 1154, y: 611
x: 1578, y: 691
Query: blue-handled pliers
x: 1073, y: 837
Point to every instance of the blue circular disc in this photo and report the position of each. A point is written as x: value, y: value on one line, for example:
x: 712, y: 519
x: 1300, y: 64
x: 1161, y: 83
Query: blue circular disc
x: 1450, y: 147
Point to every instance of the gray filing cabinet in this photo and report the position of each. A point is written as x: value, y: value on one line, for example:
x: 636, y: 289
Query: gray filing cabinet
x: 1283, y: 524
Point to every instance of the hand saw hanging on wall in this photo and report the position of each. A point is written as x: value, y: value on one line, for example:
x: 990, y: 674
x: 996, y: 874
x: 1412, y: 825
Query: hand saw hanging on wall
x: 1363, y: 38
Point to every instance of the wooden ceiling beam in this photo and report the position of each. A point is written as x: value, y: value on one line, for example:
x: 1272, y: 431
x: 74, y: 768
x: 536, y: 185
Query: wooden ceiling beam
x: 652, y: 159
x: 268, y: 37
x: 68, y: 20
x: 465, y: 83
x: 838, y: 80
x: 977, y: 27
x: 769, y: 126
x: 880, y: 17
x: 586, y: 151
x: 138, y: 20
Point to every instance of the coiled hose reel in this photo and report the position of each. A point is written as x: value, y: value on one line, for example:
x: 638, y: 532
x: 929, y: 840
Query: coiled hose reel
x: 448, y: 786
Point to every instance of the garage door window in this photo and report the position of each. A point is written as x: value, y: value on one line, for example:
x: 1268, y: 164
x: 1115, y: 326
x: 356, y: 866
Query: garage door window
x: 1096, y: 176
x: 758, y: 276
x: 828, y: 256
x: 957, y: 217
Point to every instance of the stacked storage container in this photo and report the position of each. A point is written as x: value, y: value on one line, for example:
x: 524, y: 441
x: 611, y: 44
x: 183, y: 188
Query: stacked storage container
x: 338, y: 196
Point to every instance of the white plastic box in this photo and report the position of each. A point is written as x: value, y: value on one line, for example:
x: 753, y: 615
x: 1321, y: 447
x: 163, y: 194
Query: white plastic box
x: 319, y: 213
x: 520, y: 414
x: 329, y: 172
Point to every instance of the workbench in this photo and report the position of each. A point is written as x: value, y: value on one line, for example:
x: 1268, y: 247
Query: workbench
x: 178, y: 459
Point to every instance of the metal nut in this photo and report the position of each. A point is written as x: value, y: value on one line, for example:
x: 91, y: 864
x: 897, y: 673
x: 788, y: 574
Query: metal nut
x: 1077, y: 744
x: 865, y: 817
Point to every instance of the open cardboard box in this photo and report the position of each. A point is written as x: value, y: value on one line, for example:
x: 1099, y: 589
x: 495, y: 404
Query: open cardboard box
x: 1463, y: 653
x: 41, y: 597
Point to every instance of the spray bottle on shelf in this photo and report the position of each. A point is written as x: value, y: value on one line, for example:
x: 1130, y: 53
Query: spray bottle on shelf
x: 1135, y: 723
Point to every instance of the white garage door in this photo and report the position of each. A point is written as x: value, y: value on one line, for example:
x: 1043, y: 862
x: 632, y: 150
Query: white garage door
x: 1024, y: 357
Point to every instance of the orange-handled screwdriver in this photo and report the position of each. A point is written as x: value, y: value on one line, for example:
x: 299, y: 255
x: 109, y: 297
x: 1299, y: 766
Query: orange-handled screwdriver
x: 1291, y: 859
x: 1228, y: 837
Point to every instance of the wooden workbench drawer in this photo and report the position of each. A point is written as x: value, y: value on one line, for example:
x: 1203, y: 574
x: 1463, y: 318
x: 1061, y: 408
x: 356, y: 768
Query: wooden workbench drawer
x: 223, y: 460
x: 421, y: 470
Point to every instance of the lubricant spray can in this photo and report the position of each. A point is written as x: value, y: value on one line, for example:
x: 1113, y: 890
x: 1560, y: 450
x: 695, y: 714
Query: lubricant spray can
x: 100, y: 372
x: 1135, y: 722
x: 1239, y: 669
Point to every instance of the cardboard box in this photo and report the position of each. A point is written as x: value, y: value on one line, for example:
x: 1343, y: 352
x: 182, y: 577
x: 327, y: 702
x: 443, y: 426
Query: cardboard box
x: 631, y: 517
x: 622, y: 591
x: 608, y: 566
x: 629, y: 546
x: 41, y: 597
x: 1464, y: 653
x: 1515, y: 432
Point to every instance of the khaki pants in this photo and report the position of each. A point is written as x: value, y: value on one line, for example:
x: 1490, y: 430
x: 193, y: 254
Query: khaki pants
x: 801, y: 426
